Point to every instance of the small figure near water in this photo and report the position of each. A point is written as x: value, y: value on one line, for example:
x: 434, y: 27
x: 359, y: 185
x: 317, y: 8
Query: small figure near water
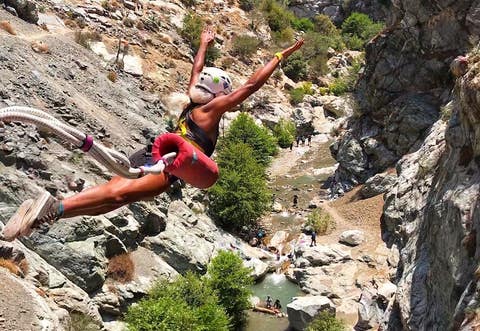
x: 269, y: 302
x: 277, y: 304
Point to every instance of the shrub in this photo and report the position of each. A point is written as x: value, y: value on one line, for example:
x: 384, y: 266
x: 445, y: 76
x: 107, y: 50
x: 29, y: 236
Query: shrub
x: 346, y: 83
x: 247, y: 5
x: 244, y: 46
x: 284, y: 131
x: 326, y: 321
x: 358, y: 28
x: 277, y: 16
x: 324, y: 25
x: 188, y: 303
x: 82, y: 322
x: 191, y: 30
x: 302, y: 24
x: 321, y: 221
x: 284, y: 37
x: 84, y: 38
x: 5, y: 25
x: 121, y: 268
x: 240, y: 196
x: 10, y: 266
x: 295, y: 67
x: 296, y: 95
x: 232, y: 283
x: 112, y: 76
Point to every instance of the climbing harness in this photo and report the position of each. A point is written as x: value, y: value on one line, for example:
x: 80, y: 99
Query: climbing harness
x: 113, y: 160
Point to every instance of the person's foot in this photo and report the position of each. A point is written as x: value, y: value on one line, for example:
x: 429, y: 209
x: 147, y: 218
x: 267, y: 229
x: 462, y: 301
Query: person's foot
x: 31, y: 214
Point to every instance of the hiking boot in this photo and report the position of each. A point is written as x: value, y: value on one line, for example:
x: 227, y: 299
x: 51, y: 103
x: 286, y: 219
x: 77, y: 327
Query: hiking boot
x: 31, y: 214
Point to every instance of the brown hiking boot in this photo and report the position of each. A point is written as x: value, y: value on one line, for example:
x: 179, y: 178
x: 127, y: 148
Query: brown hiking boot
x: 31, y: 214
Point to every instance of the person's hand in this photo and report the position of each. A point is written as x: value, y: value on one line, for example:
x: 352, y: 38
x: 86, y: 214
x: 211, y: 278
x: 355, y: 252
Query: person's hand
x: 288, y: 51
x: 207, y: 36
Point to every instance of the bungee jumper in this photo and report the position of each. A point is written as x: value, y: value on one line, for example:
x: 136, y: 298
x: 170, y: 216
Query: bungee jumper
x: 184, y: 153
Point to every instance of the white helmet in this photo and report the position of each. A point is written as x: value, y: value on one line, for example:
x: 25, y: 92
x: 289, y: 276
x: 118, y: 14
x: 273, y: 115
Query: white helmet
x: 215, y: 80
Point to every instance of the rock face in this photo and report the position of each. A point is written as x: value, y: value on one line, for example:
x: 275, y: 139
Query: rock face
x: 433, y: 214
x: 338, y: 10
x: 413, y: 54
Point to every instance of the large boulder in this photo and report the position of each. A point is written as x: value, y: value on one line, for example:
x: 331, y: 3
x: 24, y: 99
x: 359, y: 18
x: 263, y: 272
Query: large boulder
x: 26, y: 9
x: 302, y: 310
x: 352, y: 237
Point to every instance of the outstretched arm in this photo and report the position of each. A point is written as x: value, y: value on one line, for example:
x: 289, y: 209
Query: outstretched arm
x: 206, y: 38
x: 222, y: 104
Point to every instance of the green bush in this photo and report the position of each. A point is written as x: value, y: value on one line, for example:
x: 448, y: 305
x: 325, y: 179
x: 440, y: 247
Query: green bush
x: 240, y: 195
x: 302, y: 24
x: 232, y: 283
x: 346, y: 83
x: 321, y: 221
x: 186, y: 304
x: 295, y: 67
x: 324, y: 25
x: 296, y: 95
x: 244, y: 46
x: 284, y: 131
x: 244, y: 130
x: 357, y: 29
x: 326, y: 321
x: 192, y: 27
x: 247, y: 5
x: 283, y: 38
x: 277, y: 16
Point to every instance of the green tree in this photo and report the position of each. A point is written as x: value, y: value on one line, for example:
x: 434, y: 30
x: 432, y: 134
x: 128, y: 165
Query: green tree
x: 240, y: 196
x: 358, y: 28
x: 232, y: 283
x: 284, y: 131
x: 192, y: 27
x: 326, y: 321
x: 186, y: 304
x: 244, y: 130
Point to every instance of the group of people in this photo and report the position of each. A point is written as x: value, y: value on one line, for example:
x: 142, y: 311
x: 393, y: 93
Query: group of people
x: 302, y: 140
x: 270, y: 304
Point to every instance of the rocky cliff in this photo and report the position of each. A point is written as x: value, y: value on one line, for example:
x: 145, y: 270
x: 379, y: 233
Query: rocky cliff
x: 412, y: 109
x: 405, y: 82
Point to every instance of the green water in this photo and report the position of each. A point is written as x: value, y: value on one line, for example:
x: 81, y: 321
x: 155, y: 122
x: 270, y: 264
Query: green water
x: 278, y: 287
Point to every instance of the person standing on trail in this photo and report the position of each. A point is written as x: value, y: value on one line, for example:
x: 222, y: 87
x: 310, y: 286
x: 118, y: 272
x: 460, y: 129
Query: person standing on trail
x: 313, y: 237
x: 295, y: 200
x: 211, y: 96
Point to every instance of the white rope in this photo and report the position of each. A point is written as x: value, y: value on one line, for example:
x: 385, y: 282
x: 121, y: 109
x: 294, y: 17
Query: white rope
x: 113, y: 160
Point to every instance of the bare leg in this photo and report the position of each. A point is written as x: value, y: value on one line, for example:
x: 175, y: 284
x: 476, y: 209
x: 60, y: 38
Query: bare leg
x: 117, y: 192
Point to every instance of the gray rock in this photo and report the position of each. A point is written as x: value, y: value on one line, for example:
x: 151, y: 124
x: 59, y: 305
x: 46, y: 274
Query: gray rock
x: 352, y: 237
x: 26, y: 9
x: 304, y: 309
x: 377, y: 184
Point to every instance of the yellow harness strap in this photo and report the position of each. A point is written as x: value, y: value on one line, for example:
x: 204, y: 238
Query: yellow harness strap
x: 183, y: 133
